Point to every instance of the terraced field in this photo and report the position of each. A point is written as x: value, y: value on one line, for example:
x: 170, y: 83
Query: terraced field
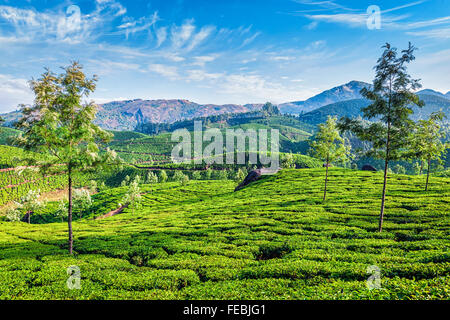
x: 274, y: 239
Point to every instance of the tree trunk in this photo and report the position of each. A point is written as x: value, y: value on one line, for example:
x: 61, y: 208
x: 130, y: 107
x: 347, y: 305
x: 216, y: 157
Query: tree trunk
x: 428, y: 174
x: 383, y: 197
x: 69, y: 215
x: 386, y: 161
x: 421, y: 167
x: 386, y: 167
x: 326, y: 181
x: 29, y: 217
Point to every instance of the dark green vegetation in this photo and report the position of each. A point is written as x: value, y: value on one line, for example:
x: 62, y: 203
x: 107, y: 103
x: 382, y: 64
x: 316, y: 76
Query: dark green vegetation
x: 272, y: 240
x: 154, y: 229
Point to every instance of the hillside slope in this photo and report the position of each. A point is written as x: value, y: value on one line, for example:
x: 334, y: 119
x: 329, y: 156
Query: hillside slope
x: 352, y: 108
x: 274, y: 239
x: 344, y: 92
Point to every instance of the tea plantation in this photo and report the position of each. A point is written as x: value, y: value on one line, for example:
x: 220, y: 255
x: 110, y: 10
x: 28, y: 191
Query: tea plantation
x: 274, y: 239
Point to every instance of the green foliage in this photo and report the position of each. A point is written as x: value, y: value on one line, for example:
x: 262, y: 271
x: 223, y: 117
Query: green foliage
x: 13, y: 215
x: 133, y: 198
x: 288, y: 161
x: 62, y: 210
x: 196, y: 175
x: 163, y: 176
x: 428, y: 137
x: 427, y: 143
x: 329, y: 146
x: 222, y: 175
x: 29, y: 204
x: 180, y: 177
x: 272, y: 240
x: 392, y: 97
x: 81, y: 201
x: 125, y: 181
x: 7, y: 135
x: 93, y: 186
x: 61, y: 124
x: 152, y: 178
x: 208, y: 174
x: 399, y: 169
x: 240, y: 175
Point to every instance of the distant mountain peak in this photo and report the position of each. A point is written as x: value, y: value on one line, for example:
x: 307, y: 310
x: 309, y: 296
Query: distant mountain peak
x: 348, y: 91
x: 432, y: 92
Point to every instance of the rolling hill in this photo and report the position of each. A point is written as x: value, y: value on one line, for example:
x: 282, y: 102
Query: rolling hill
x: 352, y: 108
x: 126, y: 115
x: 341, y: 100
x: 274, y: 239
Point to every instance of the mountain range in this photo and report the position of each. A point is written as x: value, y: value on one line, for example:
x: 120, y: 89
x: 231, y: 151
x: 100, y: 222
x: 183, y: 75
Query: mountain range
x: 344, y: 92
x: 344, y: 100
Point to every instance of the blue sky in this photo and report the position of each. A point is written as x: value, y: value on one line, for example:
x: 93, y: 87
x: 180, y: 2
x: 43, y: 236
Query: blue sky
x: 221, y: 51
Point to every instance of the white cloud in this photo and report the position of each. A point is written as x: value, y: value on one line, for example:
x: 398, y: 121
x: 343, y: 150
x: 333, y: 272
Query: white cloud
x: 200, y: 37
x: 181, y: 34
x: 201, y: 75
x: 174, y: 57
x: 202, y: 60
x: 13, y: 91
x: 443, y: 33
x: 311, y: 26
x: 104, y: 66
x: 169, y: 72
x: 282, y: 58
x: 255, y: 88
x: 161, y: 36
x: 250, y: 39
x: 139, y: 25
x: 67, y: 26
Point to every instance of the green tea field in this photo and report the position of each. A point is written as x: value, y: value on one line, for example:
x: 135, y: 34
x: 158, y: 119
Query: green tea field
x: 274, y: 239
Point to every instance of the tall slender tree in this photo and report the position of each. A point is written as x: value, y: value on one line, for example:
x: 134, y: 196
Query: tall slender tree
x: 59, y: 124
x: 392, y: 98
x: 329, y: 146
x: 428, y: 142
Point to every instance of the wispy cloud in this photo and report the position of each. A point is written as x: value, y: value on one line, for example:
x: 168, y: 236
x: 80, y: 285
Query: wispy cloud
x: 170, y: 72
x: 202, y: 60
x: 443, y: 33
x: 14, y: 91
x: 132, y: 26
x: 70, y: 26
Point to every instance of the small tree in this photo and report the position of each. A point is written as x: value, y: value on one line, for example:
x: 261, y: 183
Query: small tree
x: 417, y: 168
x: 196, y: 175
x: 180, y: 177
x: 399, y: 169
x: 151, y: 178
x: 240, y: 176
x: 13, y: 215
x: 125, y: 181
x: 93, y: 186
x: 329, y: 146
x: 392, y: 98
x: 428, y: 145
x: 208, y: 174
x: 288, y: 161
x: 81, y: 201
x: 163, y: 176
x: 29, y: 204
x: 133, y: 197
x: 60, y: 124
x: 222, y: 175
x: 61, y: 211
x: 185, y: 179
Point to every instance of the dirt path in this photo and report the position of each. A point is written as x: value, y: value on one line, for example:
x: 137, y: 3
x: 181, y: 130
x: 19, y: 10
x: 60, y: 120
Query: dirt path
x: 113, y: 213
